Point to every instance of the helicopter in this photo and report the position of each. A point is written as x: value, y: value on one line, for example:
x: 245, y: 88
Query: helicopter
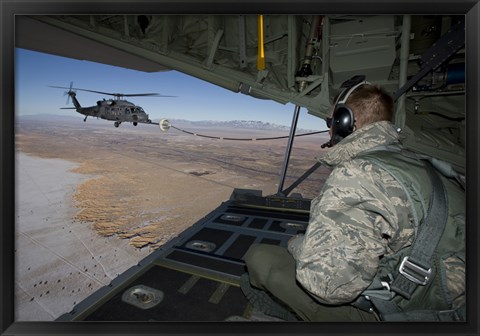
x: 118, y: 110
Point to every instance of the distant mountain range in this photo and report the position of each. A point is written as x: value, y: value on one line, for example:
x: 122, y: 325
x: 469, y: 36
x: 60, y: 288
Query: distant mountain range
x: 50, y: 117
x: 237, y: 124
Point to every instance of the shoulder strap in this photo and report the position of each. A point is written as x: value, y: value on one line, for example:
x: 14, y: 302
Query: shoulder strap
x: 415, y: 269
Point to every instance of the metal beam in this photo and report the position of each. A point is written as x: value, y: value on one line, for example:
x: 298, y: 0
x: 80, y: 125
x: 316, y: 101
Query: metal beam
x: 214, y: 48
x: 242, y: 43
x: 400, y: 113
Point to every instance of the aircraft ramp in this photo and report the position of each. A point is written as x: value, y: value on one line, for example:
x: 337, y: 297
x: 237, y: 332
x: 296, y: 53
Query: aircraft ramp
x: 195, y: 277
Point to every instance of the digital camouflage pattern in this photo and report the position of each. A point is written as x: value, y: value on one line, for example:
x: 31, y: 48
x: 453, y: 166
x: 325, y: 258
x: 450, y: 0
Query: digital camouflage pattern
x: 353, y: 221
x: 361, y: 215
x: 446, y: 289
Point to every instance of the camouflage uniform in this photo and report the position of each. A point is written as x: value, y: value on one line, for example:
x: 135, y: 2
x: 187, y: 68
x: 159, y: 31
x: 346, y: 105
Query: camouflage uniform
x: 353, y: 221
x: 361, y: 214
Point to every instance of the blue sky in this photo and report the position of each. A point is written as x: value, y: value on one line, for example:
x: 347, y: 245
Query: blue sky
x: 196, y: 99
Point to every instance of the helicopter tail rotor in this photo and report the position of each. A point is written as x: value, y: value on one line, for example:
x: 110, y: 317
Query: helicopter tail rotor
x: 71, y: 89
x: 67, y: 93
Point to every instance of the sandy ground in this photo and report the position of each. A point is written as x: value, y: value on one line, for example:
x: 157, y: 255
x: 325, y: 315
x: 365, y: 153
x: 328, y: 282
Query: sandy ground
x: 92, y: 202
x: 59, y: 261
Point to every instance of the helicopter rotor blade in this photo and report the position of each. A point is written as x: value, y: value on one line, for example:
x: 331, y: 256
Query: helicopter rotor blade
x: 142, y: 95
x: 72, y: 88
x: 113, y: 94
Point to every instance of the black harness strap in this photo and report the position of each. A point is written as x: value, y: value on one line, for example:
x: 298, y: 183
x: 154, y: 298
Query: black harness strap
x: 416, y: 269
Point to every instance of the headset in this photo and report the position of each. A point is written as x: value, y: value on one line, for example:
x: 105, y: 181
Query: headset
x: 342, y: 122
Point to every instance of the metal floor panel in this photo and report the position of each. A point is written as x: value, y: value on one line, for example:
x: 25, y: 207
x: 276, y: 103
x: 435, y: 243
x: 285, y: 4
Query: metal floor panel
x: 184, y: 297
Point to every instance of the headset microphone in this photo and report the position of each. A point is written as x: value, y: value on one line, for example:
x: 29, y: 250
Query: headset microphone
x: 327, y: 144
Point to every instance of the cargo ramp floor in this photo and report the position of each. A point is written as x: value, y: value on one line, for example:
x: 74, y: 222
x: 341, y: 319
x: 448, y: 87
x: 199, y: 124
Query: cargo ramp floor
x: 195, y: 276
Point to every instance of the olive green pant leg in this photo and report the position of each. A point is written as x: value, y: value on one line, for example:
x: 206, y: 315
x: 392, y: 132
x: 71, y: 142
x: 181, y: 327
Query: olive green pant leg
x: 272, y: 268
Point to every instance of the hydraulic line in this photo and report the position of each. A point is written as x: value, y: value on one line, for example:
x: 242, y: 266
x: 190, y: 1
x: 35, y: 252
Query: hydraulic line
x: 243, y: 139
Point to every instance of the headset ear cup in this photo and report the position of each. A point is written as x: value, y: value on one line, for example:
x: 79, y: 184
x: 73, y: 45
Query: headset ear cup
x: 342, y: 122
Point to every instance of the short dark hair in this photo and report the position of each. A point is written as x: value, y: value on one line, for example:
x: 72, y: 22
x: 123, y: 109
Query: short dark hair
x: 370, y: 103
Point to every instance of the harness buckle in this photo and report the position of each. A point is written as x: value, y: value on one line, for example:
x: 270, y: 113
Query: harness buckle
x: 414, y: 272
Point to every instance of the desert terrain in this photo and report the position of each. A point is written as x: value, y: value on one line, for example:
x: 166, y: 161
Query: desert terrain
x: 147, y: 186
x: 130, y: 190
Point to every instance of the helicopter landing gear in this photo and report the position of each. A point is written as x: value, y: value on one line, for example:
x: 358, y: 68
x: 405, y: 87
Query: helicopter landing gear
x: 135, y: 123
x: 117, y: 123
x: 84, y: 120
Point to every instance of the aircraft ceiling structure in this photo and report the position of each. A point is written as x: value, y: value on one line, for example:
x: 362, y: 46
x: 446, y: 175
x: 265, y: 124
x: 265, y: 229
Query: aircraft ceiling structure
x: 275, y: 57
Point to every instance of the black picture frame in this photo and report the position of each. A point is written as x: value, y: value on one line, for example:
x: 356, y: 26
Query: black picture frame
x: 8, y: 11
